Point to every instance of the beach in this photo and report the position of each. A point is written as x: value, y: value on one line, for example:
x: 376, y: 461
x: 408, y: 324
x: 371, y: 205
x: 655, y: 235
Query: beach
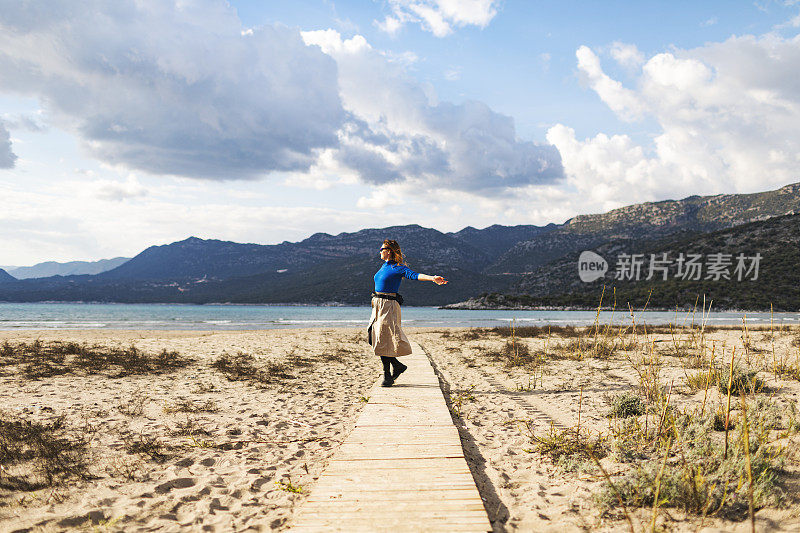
x: 229, y: 430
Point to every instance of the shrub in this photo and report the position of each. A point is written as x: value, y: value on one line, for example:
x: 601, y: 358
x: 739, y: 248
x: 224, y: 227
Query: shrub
x: 744, y: 381
x: 625, y: 405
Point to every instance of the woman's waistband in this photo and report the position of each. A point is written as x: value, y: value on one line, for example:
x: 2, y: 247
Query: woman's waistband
x: 396, y: 296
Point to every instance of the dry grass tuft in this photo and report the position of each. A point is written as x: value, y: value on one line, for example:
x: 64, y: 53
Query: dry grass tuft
x: 702, y: 380
x: 134, y: 406
x: 536, y: 331
x: 189, y: 406
x: 245, y: 367
x: 34, y: 455
x: 147, y: 445
x: 189, y: 428
x: 39, y: 360
x: 516, y: 354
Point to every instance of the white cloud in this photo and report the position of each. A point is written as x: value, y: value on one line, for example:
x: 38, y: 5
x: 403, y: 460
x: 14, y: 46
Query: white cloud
x: 381, y: 198
x: 727, y: 113
x: 7, y: 157
x: 117, y: 191
x: 438, y: 16
x: 627, y: 55
x: 173, y: 87
x: 399, y: 132
x: 182, y: 88
x: 622, y: 101
x: 391, y: 25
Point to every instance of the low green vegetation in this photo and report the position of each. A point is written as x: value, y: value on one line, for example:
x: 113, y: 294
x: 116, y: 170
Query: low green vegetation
x: 689, y: 468
x: 740, y: 381
x: 626, y: 404
x: 559, y: 443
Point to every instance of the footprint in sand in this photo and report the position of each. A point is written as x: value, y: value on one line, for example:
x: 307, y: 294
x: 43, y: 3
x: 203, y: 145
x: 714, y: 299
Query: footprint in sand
x: 258, y: 483
x: 177, y: 483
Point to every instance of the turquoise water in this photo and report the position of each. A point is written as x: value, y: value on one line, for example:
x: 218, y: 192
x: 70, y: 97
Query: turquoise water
x: 231, y: 317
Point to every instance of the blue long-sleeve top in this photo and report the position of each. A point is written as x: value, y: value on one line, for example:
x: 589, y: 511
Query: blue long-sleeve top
x: 388, y: 278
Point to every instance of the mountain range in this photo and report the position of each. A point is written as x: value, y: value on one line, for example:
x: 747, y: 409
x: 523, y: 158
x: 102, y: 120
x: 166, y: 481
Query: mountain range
x: 530, y: 265
x: 72, y: 268
x: 5, y: 277
x: 752, y: 266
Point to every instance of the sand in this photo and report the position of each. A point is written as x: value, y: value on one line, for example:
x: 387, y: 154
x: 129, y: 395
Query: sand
x: 226, y: 477
x: 248, y: 455
x: 526, y: 491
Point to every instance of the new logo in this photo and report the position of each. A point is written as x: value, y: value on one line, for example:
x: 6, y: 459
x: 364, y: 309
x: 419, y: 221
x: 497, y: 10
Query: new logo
x: 591, y: 266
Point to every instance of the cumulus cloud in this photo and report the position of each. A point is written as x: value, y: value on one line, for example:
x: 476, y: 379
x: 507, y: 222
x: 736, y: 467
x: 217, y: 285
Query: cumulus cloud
x: 627, y: 55
x: 7, y: 157
x: 181, y: 88
x: 621, y: 100
x: 173, y: 87
x: 438, y: 16
x: 399, y: 132
x: 727, y: 114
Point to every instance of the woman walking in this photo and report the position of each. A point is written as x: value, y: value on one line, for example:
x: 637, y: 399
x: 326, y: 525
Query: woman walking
x: 385, y: 335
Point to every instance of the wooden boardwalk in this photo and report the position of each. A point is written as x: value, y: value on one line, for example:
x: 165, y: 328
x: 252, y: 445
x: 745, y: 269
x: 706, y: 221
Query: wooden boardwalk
x: 401, y: 469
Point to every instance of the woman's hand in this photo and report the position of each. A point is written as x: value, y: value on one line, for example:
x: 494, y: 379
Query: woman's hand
x: 439, y: 280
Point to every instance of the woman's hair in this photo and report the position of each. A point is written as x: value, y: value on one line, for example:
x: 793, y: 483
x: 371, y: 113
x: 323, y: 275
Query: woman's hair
x: 394, y: 250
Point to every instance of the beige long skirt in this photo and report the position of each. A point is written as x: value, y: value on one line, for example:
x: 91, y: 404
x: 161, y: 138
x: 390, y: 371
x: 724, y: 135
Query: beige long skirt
x: 388, y: 338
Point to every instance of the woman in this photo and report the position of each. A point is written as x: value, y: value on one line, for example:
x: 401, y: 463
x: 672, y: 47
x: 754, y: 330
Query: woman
x: 385, y: 335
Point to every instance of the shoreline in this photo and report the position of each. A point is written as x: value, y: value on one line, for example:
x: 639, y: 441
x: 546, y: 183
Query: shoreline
x: 456, y: 306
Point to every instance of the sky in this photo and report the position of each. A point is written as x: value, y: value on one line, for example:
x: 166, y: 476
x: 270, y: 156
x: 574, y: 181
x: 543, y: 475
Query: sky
x: 131, y: 123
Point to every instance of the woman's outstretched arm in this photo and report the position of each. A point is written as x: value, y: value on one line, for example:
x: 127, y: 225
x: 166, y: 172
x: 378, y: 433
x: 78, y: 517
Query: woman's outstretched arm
x: 439, y: 280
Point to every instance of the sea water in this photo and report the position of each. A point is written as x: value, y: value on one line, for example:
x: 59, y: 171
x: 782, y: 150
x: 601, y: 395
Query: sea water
x: 234, y: 317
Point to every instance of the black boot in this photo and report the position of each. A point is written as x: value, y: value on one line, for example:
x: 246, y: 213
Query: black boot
x: 399, y: 368
x: 388, y: 381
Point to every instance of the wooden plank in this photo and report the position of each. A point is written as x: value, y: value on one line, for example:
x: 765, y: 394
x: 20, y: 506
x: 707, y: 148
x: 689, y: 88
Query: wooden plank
x: 427, y: 466
x: 408, y: 450
x: 390, y: 525
x: 401, y: 469
x: 375, y: 497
